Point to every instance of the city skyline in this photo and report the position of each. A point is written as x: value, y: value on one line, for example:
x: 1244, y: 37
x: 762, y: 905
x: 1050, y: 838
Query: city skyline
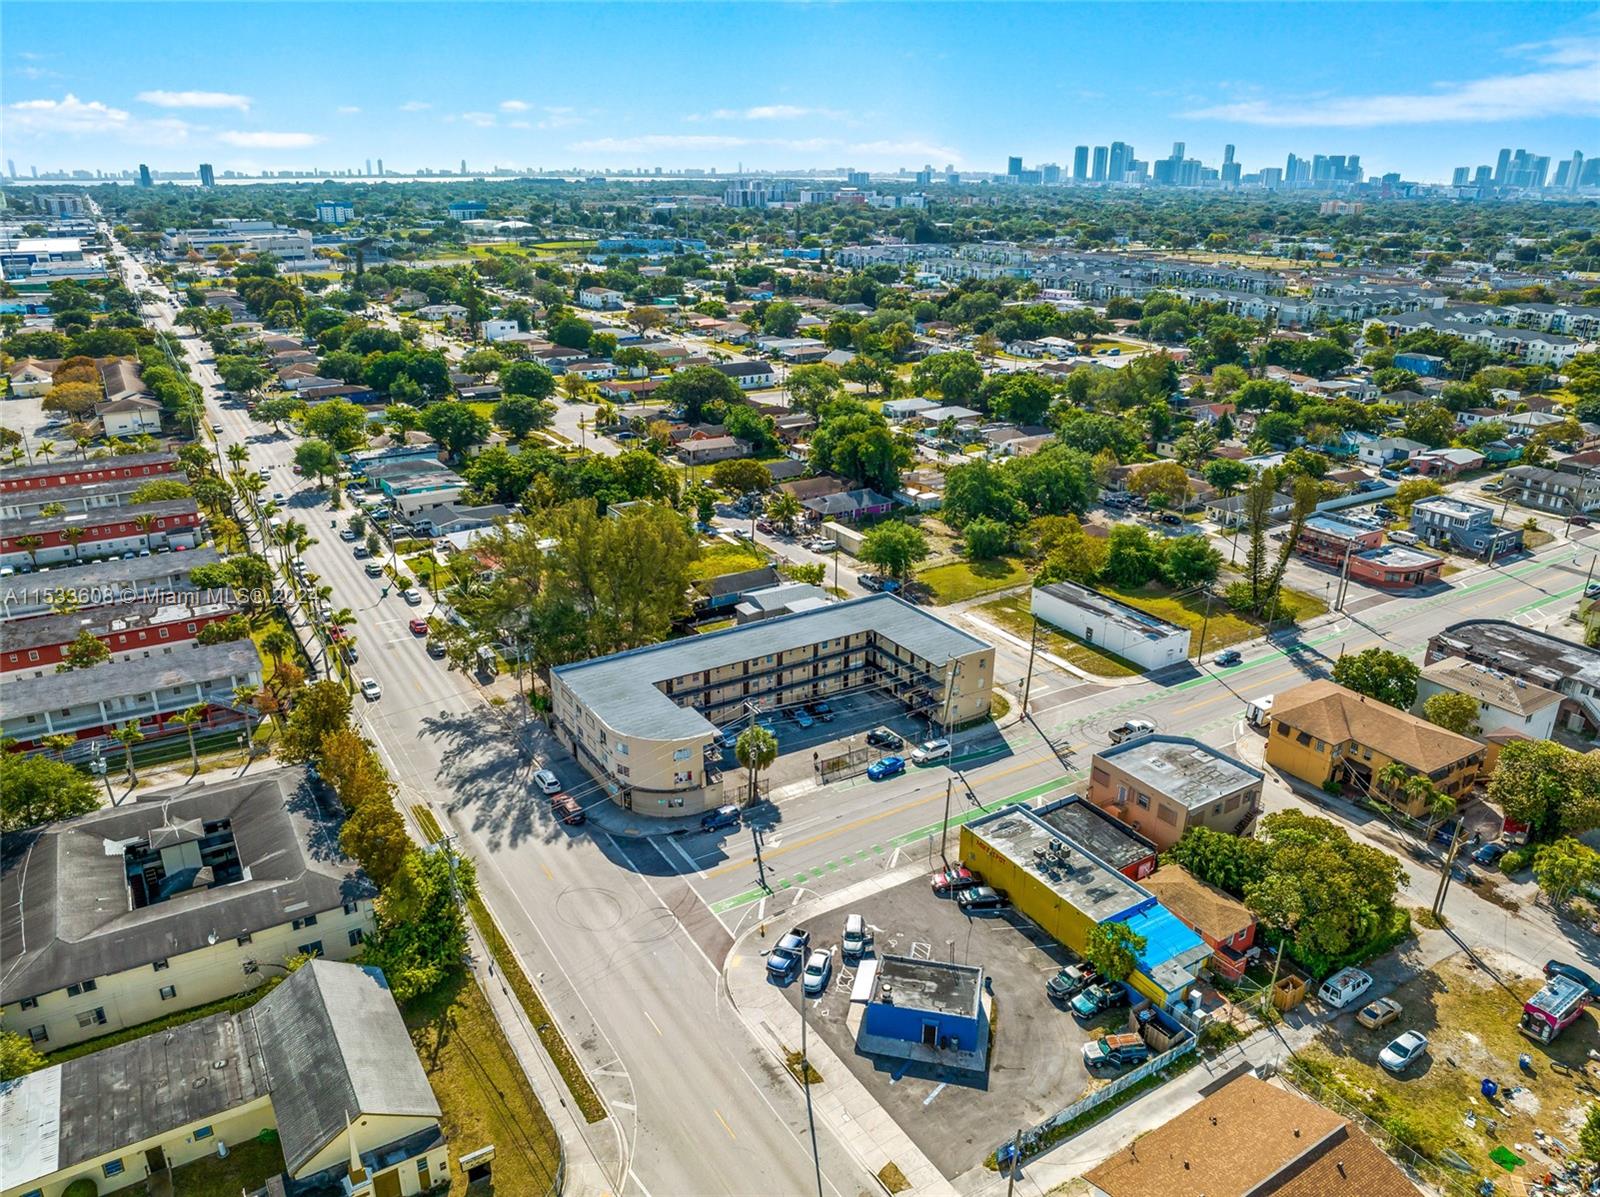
x: 176, y: 95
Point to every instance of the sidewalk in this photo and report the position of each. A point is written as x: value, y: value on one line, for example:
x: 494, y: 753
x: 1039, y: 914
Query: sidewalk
x: 841, y: 1101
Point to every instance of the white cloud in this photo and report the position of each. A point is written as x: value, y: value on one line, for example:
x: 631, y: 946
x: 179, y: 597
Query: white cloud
x: 911, y: 148
x: 690, y: 141
x: 1566, y: 83
x: 261, y: 140
x: 415, y: 106
x: 772, y: 112
x: 519, y: 124
x: 482, y: 120
x: 347, y: 109
x: 514, y: 105
x: 195, y: 99
x: 72, y: 117
x: 558, y: 117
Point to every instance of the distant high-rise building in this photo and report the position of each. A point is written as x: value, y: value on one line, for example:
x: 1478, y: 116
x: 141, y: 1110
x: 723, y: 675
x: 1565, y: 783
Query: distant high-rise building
x: 1483, y: 177
x: 1502, y: 166
x: 463, y: 166
x: 1227, y: 155
x: 1291, y: 168
x: 208, y: 177
x: 380, y: 168
x: 857, y: 178
x: 1100, y: 156
x: 1230, y: 173
x: 1117, y: 162
x: 11, y: 167
x: 925, y: 177
x: 144, y: 175
x: 1352, y: 167
x: 1051, y: 173
x: 369, y: 166
x: 1177, y: 149
x: 1461, y: 176
x: 1576, y: 170
x: 1080, y: 164
x: 1591, y: 173
x: 1013, y: 167
x: 1272, y: 177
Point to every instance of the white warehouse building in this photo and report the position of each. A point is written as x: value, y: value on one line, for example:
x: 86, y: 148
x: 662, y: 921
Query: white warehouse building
x: 1092, y: 617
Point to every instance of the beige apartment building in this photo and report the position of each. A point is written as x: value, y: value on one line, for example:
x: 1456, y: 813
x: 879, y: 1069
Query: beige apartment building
x: 134, y: 912
x: 647, y: 723
x: 1163, y: 785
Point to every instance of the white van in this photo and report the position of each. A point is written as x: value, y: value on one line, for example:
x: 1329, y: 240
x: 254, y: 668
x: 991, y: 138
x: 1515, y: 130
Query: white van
x: 1344, y: 987
x: 855, y: 936
x: 1403, y: 537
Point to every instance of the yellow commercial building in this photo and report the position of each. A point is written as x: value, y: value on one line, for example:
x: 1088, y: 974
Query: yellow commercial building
x: 324, y: 1061
x: 1322, y: 732
x: 1067, y: 891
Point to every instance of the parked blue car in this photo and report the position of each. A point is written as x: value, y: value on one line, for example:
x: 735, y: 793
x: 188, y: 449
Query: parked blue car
x: 887, y: 767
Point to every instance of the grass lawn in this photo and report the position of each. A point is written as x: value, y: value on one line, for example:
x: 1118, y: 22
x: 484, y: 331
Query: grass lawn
x: 716, y: 625
x: 1226, y: 627
x: 1012, y: 614
x: 244, y: 1171
x: 723, y: 558
x: 484, y: 1096
x: 967, y: 579
x: 1471, y: 1025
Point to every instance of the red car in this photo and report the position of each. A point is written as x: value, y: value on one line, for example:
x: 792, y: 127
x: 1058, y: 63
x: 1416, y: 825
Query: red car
x: 949, y: 881
x: 419, y: 627
x: 336, y: 633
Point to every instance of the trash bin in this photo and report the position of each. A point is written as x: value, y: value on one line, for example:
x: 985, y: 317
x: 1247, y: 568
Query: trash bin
x: 1288, y: 993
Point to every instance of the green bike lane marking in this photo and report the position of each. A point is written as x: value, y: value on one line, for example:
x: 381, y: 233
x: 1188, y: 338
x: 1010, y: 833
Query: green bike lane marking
x: 817, y: 872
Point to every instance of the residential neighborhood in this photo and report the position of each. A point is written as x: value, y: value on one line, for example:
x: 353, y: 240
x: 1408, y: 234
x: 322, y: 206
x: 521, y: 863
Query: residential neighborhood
x: 1079, y: 678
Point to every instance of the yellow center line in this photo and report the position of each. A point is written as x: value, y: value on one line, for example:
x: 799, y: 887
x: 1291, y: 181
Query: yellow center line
x: 725, y: 1125
x: 657, y: 1029
x: 547, y: 871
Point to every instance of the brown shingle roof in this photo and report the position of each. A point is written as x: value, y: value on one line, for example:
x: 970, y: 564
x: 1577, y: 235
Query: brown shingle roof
x: 1329, y: 712
x: 1204, y: 907
x: 1250, y: 1138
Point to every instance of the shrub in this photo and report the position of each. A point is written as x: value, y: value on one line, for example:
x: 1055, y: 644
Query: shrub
x: 84, y: 1186
x: 1396, y: 929
x: 1516, y: 860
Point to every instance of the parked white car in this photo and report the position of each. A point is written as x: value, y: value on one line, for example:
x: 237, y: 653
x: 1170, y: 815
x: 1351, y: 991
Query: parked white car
x: 929, y: 751
x: 1344, y: 987
x: 547, y: 782
x: 818, y: 967
x: 370, y: 690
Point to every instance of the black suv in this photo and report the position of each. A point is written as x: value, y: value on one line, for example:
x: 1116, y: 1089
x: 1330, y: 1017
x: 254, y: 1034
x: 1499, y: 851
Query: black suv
x: 882, y: 737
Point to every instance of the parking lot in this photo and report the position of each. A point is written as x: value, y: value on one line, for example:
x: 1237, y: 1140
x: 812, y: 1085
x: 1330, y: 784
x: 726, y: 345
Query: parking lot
x: 853, y: 716
x: 1035, y: 1060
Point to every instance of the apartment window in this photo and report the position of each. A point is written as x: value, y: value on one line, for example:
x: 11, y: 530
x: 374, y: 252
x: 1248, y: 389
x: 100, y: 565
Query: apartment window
x: 33, y: 655
x: 92, y: 1018
x: 351, y: 907
x: 80, y: 987
x: 168, y: 992
x: 190, y: 627
x: 1166, y: 814
x: 29, y: 1003
x: 682, y: 754
x: 243, y: 939
x: 1143, y: 800
x: 309, y: 921
x: 38, y: 1035
x: 356, y: 936
x: 622, y: 749
x: 203, y: 1132
x: 112, y: 1167
x: 314, y: 948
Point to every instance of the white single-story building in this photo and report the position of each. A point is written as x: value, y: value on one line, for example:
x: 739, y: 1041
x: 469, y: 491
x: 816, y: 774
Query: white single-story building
x: 1103, y: 622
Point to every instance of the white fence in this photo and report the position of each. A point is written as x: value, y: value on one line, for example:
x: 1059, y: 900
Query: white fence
x: 1037, y: 1137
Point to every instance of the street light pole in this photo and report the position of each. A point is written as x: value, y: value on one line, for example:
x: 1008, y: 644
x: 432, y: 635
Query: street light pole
x: 805, y: 1081
x: 944, y: 827
x: 1027, y: 682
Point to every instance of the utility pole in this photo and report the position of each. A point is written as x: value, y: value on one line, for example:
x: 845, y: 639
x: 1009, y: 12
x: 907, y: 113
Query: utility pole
x: 761, y: 868
x: 1444, y: 869
x: 1205, y: 623
x: 1344, y: 576
x: 944, y: 827
x: 1016, y: 1162
x: 805, y: 1081
x: 1027, y: 682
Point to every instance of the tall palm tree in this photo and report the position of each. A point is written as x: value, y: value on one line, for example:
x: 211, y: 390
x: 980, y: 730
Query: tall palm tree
x: 128, y: 735
x: 245, y: 698
x: 72, y: 536
x: 82, y: 444
x: 31, y: 546
x: 278, y: 644
x: 237, y: 456
x: 755, y: 749
x: 188, y: 720
x: 46, y: 450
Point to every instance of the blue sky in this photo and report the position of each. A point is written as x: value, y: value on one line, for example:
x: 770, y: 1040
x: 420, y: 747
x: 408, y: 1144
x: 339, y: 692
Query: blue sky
x: 1414, y: 87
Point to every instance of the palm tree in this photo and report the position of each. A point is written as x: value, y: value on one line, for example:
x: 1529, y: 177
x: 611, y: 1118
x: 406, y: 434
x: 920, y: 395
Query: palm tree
x: 31, y: 546
x: 46, y: 450
x: 237, y: 456
x: 144, y: 522
x: 72, y: 536
x: 278, y: 644
x: 82, y: 443
x: 245, y: 697
x: 756, y: 748
x: 784, y: 508
x: 128, y: 735
x: 188, y: 720
x: 59, y: 744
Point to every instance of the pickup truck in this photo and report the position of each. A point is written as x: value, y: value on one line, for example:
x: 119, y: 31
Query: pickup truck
x: 1115, y: 1051
x: 1097, y: 999
x: 788, y: 955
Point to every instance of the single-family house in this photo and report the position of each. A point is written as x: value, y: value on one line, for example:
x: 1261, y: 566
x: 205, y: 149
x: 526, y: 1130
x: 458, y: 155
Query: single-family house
x: 1388, y: 449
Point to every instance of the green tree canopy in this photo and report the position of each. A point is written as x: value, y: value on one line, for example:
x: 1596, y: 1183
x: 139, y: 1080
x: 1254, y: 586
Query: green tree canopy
x: 1381, y: 674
